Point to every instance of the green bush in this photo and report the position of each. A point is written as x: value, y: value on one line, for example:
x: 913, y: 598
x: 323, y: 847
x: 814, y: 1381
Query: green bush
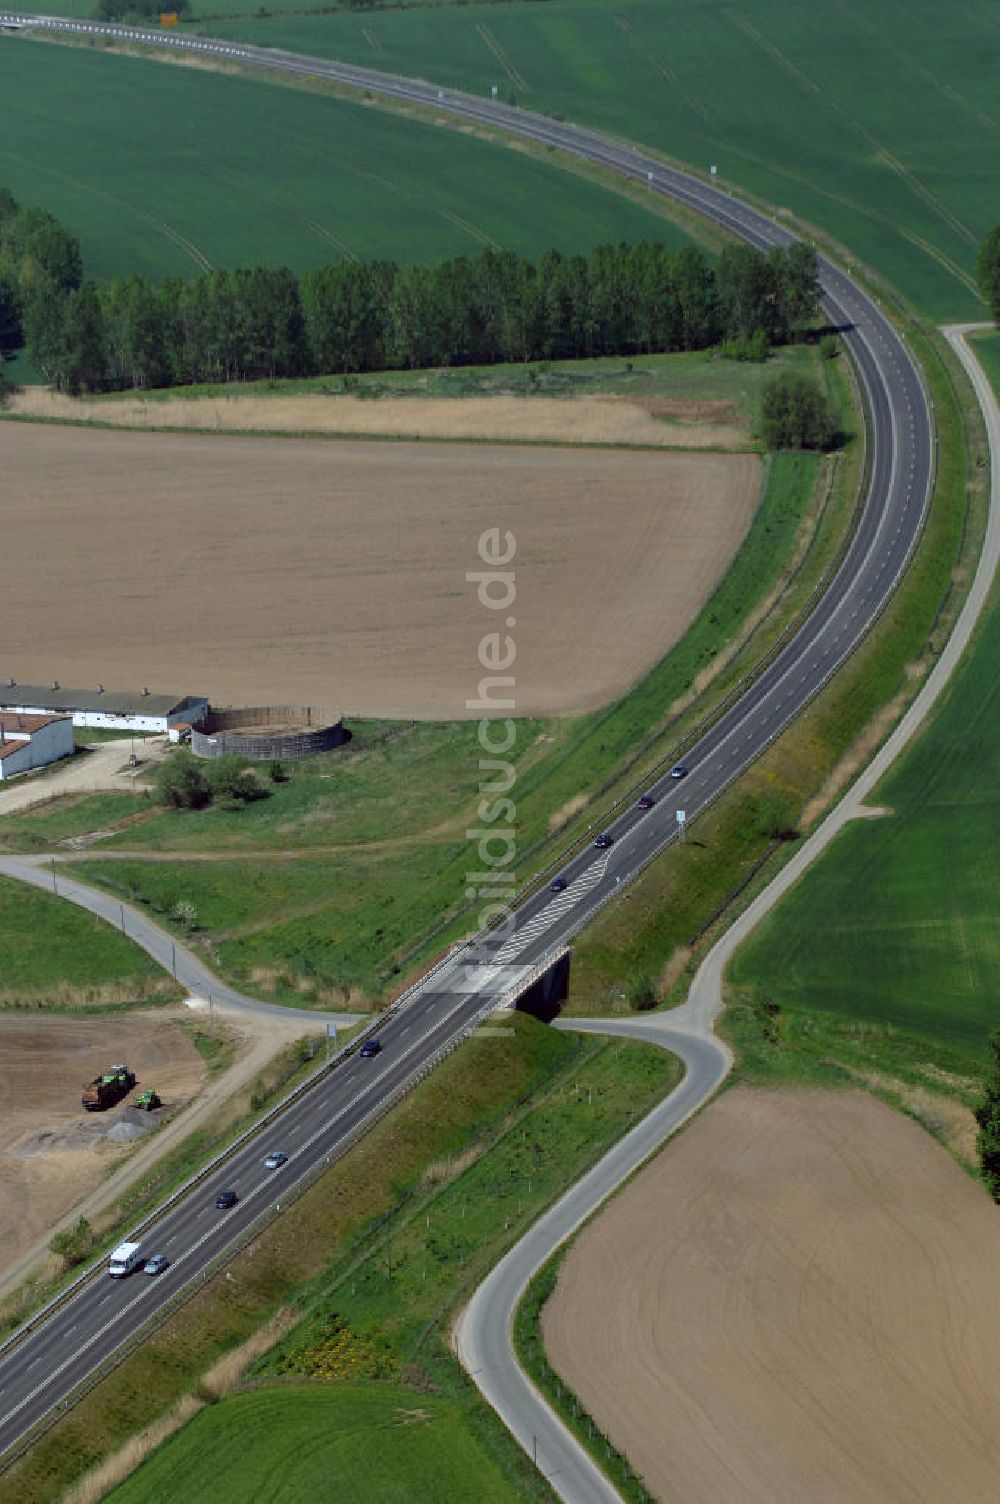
x: 73, y: 1245
x: 231, y: 781
x: 640, y: 993
x: 795, y: 414
x: 181, y: 783
x: 751, y: 347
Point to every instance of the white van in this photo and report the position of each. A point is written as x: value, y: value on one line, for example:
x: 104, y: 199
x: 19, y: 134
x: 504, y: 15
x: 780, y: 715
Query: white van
x: 126, y: 1258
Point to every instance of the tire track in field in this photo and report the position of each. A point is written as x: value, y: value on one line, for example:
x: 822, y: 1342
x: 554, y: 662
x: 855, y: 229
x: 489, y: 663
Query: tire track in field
x: 331, y: 239
x: 161, y: 225
x: 942, y: 259
x: 398, y: 190
x: 859, y: 21
x: 263, y: 196
x: 471, y: 229
x: 882, y: 153
x: 371, y: 39
x: 863, y: 211
x: 642, y: 50
x: 501, y: 56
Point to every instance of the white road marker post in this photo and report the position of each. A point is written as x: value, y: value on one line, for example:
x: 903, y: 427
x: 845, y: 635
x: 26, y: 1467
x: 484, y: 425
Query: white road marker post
x: 682, y: 824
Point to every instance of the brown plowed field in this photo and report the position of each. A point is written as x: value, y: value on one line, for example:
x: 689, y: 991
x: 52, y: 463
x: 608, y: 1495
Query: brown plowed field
x: 314, y: 571
x: 799, y: 1300
x: 51, y: 1151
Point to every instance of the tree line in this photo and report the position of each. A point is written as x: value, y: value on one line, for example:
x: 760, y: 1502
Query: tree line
x: 258, y: 323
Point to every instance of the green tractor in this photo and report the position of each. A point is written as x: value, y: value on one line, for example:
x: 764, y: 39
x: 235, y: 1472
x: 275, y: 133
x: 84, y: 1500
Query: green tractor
x: 147, y: 1100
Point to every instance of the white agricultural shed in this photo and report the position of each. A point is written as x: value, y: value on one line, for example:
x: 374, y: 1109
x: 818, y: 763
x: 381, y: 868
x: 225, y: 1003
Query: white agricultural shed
x: 31, y: 741
x: 103, y: 709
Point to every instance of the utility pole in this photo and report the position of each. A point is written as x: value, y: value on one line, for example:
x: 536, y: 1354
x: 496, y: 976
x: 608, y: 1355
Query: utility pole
x: 52, y: 863
x: 122, y: 909
x: 173, y: 959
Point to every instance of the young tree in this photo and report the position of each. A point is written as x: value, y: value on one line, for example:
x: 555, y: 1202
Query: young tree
x: 36, y: 240
x: 795, y: 414
x: 11, y: 333
x: 799, y: 292
x: 181, y: 784
x: 988, y: 272
x: 44, y: 320
x: 988, y: 1118
x: 86, y: 361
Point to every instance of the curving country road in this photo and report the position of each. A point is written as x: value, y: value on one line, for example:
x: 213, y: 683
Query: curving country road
x: 175, y: 958
x: 41, y: 1368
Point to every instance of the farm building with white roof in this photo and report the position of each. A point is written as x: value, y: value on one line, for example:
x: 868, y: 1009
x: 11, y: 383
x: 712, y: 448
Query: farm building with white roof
x: 103, y: 709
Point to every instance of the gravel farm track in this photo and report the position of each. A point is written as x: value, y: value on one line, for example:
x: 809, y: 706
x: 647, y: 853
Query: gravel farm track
x: 901, y: 467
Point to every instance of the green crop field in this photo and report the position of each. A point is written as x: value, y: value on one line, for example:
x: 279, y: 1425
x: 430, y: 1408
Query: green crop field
x: 897, y: 923
x: 52, y: 951
x: 178, y: 170
x: 358, y: 1443
x: 878, y: 123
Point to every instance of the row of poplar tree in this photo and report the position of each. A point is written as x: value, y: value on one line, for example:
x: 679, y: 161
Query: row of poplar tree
x: 365, y: 316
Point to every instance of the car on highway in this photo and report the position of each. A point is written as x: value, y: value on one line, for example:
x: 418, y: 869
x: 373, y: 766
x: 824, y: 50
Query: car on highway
x: 557, y: 885
x: 603, y: 842
x: 678, y: 771
x: 275, y: 1160
x: 156, y: 1264
x: 369, y: 1048
x: 226, y: 1199
x: 646, y: 802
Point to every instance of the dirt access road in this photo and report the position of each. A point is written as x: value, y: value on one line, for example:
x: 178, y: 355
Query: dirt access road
x: 310, y: 571
x: 801, y: 1300
x: 103, y: 765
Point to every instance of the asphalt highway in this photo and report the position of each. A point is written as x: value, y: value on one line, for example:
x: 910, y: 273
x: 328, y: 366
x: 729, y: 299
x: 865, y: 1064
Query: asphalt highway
x: 41, y: 1369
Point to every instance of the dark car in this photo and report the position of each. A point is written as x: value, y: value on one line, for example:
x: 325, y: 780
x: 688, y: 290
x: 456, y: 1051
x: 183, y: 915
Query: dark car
x: 645, y: 802
x: 156, y: 1264
x: 557, y: 885
x: 369, y: 1048
x: 226, y: 1199
x: 678, y: 771
x: 602, y: 843
x: 275, y: 1160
